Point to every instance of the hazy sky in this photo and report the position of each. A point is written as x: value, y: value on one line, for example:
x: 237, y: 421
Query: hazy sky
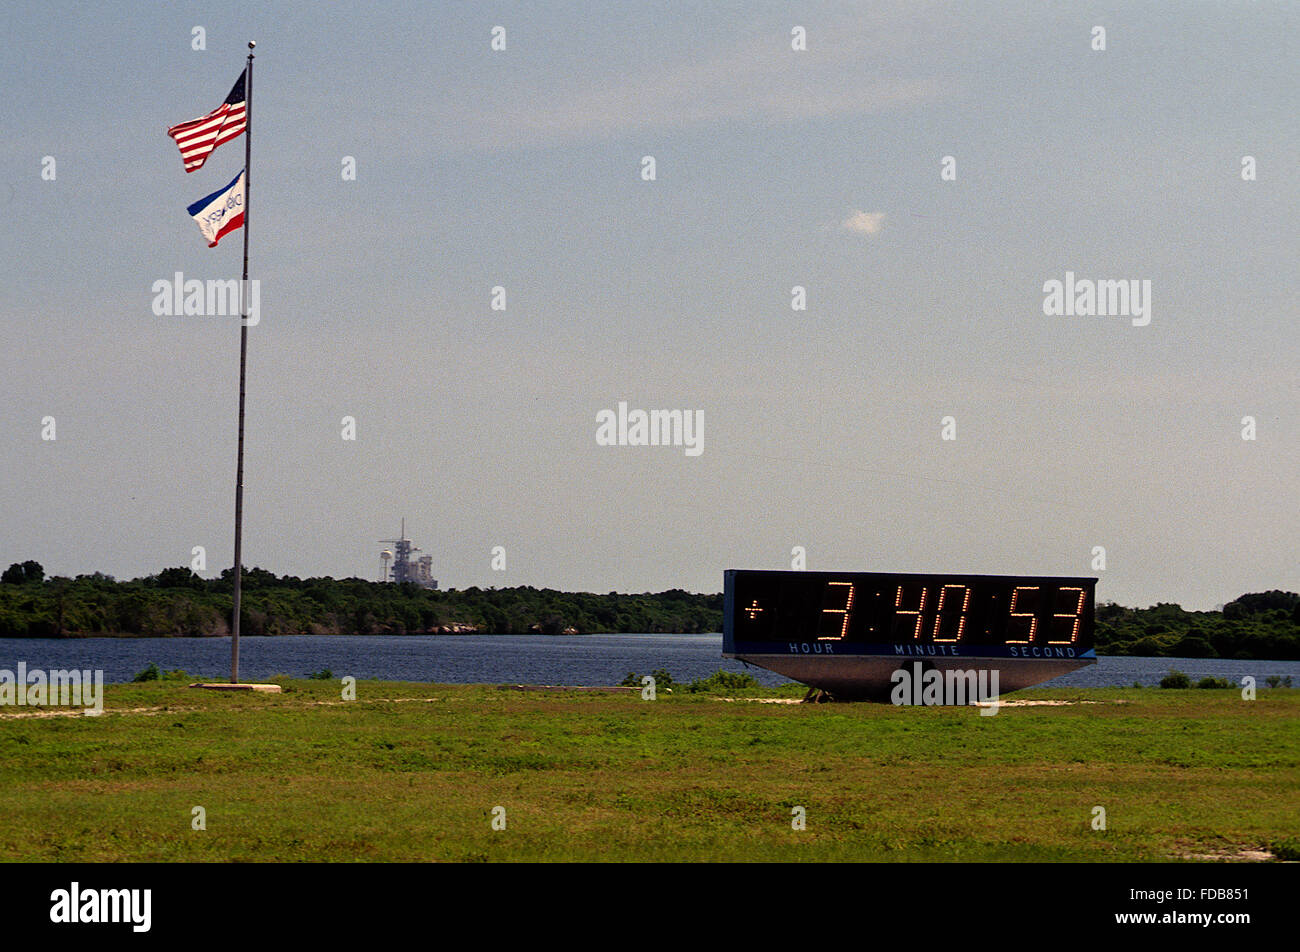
x: 774, y: 168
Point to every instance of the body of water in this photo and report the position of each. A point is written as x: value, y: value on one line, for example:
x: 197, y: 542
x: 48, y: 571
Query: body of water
x: 503, y: 659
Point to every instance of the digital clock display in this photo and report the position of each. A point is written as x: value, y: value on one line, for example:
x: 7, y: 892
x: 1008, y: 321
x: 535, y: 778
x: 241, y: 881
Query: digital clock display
x: 873, y: 612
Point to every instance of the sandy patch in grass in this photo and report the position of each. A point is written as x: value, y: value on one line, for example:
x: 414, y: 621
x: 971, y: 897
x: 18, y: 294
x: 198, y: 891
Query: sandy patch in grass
x: 82, y: 712
x: 1232, y: 855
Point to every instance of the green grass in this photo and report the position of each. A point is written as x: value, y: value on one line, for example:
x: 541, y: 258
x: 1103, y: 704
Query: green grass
x: 412, y: 772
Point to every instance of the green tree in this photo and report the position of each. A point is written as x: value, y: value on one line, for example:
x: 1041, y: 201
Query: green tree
x: 179, y: 577
x: 22, y: 573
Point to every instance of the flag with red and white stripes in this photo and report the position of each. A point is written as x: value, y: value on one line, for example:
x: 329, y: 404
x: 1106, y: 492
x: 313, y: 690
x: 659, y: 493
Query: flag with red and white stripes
x: 198, y: 137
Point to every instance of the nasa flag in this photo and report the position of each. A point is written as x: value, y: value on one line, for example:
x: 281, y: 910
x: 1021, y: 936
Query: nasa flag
x: 221, y: 212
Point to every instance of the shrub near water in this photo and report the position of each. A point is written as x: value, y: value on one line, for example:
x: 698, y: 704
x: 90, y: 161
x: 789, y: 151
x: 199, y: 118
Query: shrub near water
x: 150, y: 673
x: 663, y: 680
x: 1214, y: 683
x: 722, y: 681
x: 1175, y: 679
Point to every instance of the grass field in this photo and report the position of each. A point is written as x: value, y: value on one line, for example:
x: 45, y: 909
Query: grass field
x: 413, y: 771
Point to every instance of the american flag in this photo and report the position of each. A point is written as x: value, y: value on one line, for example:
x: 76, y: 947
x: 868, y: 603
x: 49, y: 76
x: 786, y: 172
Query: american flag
x: 198, y: 137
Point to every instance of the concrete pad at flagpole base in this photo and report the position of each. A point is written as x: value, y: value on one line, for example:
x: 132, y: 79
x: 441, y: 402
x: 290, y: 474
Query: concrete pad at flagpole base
x: 224, y: 686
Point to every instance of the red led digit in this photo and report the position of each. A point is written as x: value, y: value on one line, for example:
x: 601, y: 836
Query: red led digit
x: 950, y: 604
x: 900, y: 610
x: 1074, y: 617
x: 1021, y: 617
x: 838, y: 620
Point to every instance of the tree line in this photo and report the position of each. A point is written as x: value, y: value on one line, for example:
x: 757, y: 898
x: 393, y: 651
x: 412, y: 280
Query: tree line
x: 177, y: 602
x: 1262, y: 625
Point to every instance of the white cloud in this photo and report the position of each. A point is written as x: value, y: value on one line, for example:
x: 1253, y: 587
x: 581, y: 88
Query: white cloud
x: 864, y: 223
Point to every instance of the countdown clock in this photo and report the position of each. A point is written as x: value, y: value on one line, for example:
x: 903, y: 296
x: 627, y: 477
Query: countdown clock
x: 848, y: 632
